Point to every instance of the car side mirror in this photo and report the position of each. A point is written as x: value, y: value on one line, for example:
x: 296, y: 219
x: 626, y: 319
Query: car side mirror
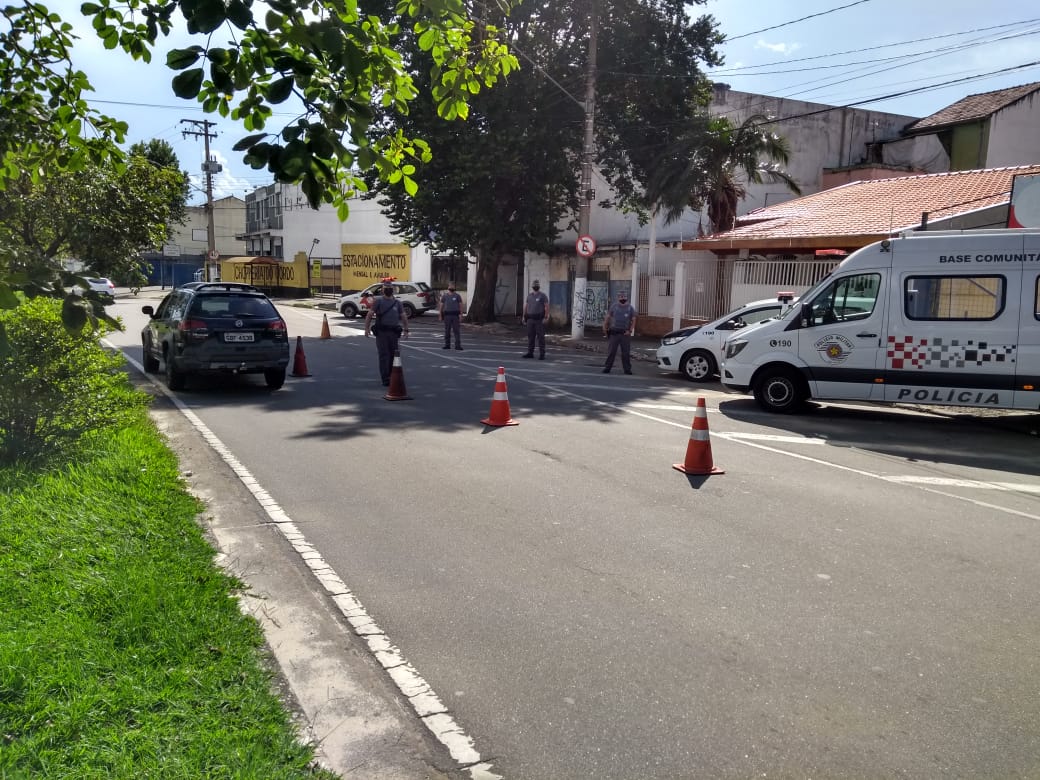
x: 148, y: 310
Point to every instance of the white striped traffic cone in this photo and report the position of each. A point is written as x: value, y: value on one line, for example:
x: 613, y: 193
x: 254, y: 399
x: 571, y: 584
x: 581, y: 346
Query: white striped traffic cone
x: 500, y: 403
x: 698, y: 451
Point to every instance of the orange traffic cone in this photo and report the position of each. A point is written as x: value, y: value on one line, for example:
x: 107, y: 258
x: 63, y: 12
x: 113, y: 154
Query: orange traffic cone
x: 396, y: 391
x: 500, y: 403
x: 325, y: 327
x: 698, y: 451
x: 299, y: 366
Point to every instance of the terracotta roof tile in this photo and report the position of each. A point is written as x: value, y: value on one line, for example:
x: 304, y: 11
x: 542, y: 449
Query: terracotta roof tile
x: 876, y: 207
x: 972, y: 107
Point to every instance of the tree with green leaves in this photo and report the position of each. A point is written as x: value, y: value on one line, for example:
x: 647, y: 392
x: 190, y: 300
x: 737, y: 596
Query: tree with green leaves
x: 160, y: 154
x: 336, y: 62
x: 505, y: 180
x: 711, y: 165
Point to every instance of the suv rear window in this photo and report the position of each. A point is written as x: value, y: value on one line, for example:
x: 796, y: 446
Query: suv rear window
x: 232, y: 305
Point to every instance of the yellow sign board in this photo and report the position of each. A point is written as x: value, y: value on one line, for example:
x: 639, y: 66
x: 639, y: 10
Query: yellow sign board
x: 364, y: 264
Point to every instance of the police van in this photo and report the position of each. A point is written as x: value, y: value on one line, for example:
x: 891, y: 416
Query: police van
x: 948, y: 318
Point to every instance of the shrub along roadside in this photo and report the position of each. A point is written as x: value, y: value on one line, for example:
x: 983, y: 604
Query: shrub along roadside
x: 55, y: 384
x: 122, y: 653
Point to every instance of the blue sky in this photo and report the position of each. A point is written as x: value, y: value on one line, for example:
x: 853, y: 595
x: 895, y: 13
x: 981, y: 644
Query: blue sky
x: 837, y: 52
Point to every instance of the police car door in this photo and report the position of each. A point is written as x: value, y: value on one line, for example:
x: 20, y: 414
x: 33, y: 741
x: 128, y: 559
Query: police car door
x: 841, y: 341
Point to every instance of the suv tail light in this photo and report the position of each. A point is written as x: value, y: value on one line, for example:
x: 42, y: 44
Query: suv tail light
x: 194, y: 330
x: 277, y: 330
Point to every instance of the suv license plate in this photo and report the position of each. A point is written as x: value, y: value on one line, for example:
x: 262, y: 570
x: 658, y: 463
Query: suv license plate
x: 238, y: 337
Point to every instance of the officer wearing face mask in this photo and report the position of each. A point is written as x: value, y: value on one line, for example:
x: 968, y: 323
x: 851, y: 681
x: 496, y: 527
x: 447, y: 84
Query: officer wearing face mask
x: 536, y: 308
x: 618, y: 327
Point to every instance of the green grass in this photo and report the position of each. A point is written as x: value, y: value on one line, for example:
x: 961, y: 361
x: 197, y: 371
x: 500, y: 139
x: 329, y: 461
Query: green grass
x: 123, y: 653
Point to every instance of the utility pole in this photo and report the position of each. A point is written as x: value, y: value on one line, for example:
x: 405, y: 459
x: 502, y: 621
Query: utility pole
x: 209, y: 167
x: 581, y: 277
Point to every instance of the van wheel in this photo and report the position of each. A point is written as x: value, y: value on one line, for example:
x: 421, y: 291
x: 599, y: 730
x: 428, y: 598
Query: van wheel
x: 274, y: 377
x: 780, y: 390
x: 349, y: 310
x: 698, y: 366
x: 175, y: 380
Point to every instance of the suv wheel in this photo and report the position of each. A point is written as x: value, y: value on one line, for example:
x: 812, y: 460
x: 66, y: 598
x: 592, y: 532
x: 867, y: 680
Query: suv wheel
x: 275, y: 377
x: 349, y: 310
x: 409, y: 309
x: 175, y: 379
x: 151, y: 363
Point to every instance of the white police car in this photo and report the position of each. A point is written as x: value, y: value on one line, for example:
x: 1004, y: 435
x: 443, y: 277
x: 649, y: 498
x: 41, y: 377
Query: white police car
x: 696, y: 351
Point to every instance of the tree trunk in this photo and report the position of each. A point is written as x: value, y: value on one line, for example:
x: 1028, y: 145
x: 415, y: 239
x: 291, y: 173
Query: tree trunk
x: 482, y: 301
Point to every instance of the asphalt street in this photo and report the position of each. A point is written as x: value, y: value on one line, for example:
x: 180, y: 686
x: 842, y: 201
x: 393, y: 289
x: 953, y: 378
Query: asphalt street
x: 607, y: 583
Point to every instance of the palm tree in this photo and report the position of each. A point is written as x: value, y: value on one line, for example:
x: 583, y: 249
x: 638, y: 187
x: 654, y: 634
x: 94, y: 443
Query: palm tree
x: 711, y: 164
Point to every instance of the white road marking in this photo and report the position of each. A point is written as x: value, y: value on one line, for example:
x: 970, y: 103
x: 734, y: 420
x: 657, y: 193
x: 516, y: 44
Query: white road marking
x: 416, y: 690
x: 737, y: 438
x: 1011, y: 487
x: 777, y: 438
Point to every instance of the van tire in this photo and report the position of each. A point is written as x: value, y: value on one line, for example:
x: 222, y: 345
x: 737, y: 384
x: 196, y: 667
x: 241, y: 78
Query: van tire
x: 697, y: 365
x: 780, y: 389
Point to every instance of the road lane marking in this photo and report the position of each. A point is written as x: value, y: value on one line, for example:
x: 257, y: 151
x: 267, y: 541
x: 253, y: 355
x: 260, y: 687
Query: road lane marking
x: 424, y: 701
x: 1010, y: 487
x: 737, y: 438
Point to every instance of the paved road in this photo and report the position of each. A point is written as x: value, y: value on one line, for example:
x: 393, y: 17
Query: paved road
x: 853, y: 598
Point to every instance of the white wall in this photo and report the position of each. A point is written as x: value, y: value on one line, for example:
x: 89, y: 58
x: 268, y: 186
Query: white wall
x: 365, y: 225
x: 1014, y: 136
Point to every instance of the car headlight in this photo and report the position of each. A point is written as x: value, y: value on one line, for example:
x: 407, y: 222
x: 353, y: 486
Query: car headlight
x: 667, y: 341
x: 735, y: 347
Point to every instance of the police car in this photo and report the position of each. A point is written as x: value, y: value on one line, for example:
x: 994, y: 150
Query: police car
x: 696, y: 351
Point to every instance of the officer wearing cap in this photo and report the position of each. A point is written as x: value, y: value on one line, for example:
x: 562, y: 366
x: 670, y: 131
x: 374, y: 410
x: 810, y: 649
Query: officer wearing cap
x: 536, y: 307
x: 387, y: 320
x: 450, y: 312
x: 618, y: 327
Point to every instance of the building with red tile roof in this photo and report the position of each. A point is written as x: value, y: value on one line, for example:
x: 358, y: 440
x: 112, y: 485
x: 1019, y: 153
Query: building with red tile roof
x: 853, y: 215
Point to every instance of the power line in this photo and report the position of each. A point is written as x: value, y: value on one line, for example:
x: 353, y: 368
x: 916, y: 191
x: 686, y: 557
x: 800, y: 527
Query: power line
x: 795, y: 21
x: 730, y: 71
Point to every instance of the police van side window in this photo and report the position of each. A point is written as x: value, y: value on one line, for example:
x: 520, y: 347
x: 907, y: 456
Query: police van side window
x: 954, y: 297
x: 847, y: 299
x: 1036, y: 299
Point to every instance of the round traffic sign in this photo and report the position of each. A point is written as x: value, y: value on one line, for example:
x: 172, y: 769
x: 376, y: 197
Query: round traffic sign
x: 213, y: 254
x: 586, y: 246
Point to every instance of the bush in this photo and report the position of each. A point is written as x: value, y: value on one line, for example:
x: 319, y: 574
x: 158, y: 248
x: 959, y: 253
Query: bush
x: 56, y: 385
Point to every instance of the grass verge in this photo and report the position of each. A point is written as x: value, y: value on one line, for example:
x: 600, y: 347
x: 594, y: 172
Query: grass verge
x: 123, y: 652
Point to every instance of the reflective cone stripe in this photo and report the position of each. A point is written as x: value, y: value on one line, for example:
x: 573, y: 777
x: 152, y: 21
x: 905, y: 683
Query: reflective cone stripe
x: 325, y: 334
x: 299, y: 367
x: 500, y: 403
x: 698, y: 451
x: 395, y: 391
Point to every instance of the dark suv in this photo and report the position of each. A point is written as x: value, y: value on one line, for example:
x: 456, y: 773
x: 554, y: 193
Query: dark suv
x: 216, y: 328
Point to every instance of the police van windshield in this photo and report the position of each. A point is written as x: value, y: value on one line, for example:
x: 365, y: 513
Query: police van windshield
x: 844, y: 299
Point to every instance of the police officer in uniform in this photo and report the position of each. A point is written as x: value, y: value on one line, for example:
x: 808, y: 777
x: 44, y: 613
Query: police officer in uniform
x: 387, y: 319
x: 618, y: 327
x: 536, y: 307
x: 451, y: 314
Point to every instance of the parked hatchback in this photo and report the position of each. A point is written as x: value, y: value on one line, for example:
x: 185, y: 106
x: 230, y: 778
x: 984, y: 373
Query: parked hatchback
x: 216, y: 328
x: 696, y: 351
x: 415, y: 297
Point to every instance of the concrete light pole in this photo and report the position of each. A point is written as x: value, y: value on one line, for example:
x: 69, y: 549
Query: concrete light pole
x: 581, y: 276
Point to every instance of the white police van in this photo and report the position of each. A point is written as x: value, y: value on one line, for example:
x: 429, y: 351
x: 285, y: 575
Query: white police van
x: 696, y: 351
x: 947, y: 318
